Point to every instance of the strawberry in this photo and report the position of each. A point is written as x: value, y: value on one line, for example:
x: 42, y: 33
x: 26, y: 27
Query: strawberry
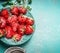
x: 29, y: 29
x: 22, y: 10
x: 2, y: 22
x: 11, y: 19
x: 17, y: 37
x: 21, y: 19
x: 14, y: 26
x: 1, y: 33
x: 29, y: 21
x: 21, y: 29
x: 15, y: 10
x: 9, y: 32
x: 5, y: 13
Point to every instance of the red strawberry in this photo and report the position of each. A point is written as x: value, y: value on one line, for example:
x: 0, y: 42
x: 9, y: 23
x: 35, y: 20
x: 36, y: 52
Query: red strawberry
x: 29, y: 21
x: 11, y: 19
x: 15, y: 10
x: 1, y: 33
x: 9, y: 32
x: 5, y: 13
x: 2, y: 22
x: 29, y: 30
x: 14, y: 26
x: 17, y: 37
x: 21, y: 19
x: 22, y: 10
x: 21, y: 29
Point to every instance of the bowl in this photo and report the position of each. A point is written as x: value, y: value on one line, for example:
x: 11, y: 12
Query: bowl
x: 15, y: 50
x: 24, y: 39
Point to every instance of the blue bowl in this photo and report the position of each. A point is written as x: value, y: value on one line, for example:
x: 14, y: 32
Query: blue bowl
x: 24, y: 39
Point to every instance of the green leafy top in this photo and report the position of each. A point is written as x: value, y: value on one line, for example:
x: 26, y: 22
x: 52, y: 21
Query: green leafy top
x: 8, y: 2
x: 25, y: 3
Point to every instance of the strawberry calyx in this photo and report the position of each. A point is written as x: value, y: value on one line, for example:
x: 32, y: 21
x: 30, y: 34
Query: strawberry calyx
x: 17, y: 37
x: 1, y: 35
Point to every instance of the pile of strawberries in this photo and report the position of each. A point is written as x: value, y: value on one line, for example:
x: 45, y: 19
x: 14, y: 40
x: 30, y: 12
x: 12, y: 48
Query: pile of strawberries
x: 14, y: 23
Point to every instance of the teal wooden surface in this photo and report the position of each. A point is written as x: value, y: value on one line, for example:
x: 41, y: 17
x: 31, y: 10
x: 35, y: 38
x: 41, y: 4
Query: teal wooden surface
x: 46, y: 38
